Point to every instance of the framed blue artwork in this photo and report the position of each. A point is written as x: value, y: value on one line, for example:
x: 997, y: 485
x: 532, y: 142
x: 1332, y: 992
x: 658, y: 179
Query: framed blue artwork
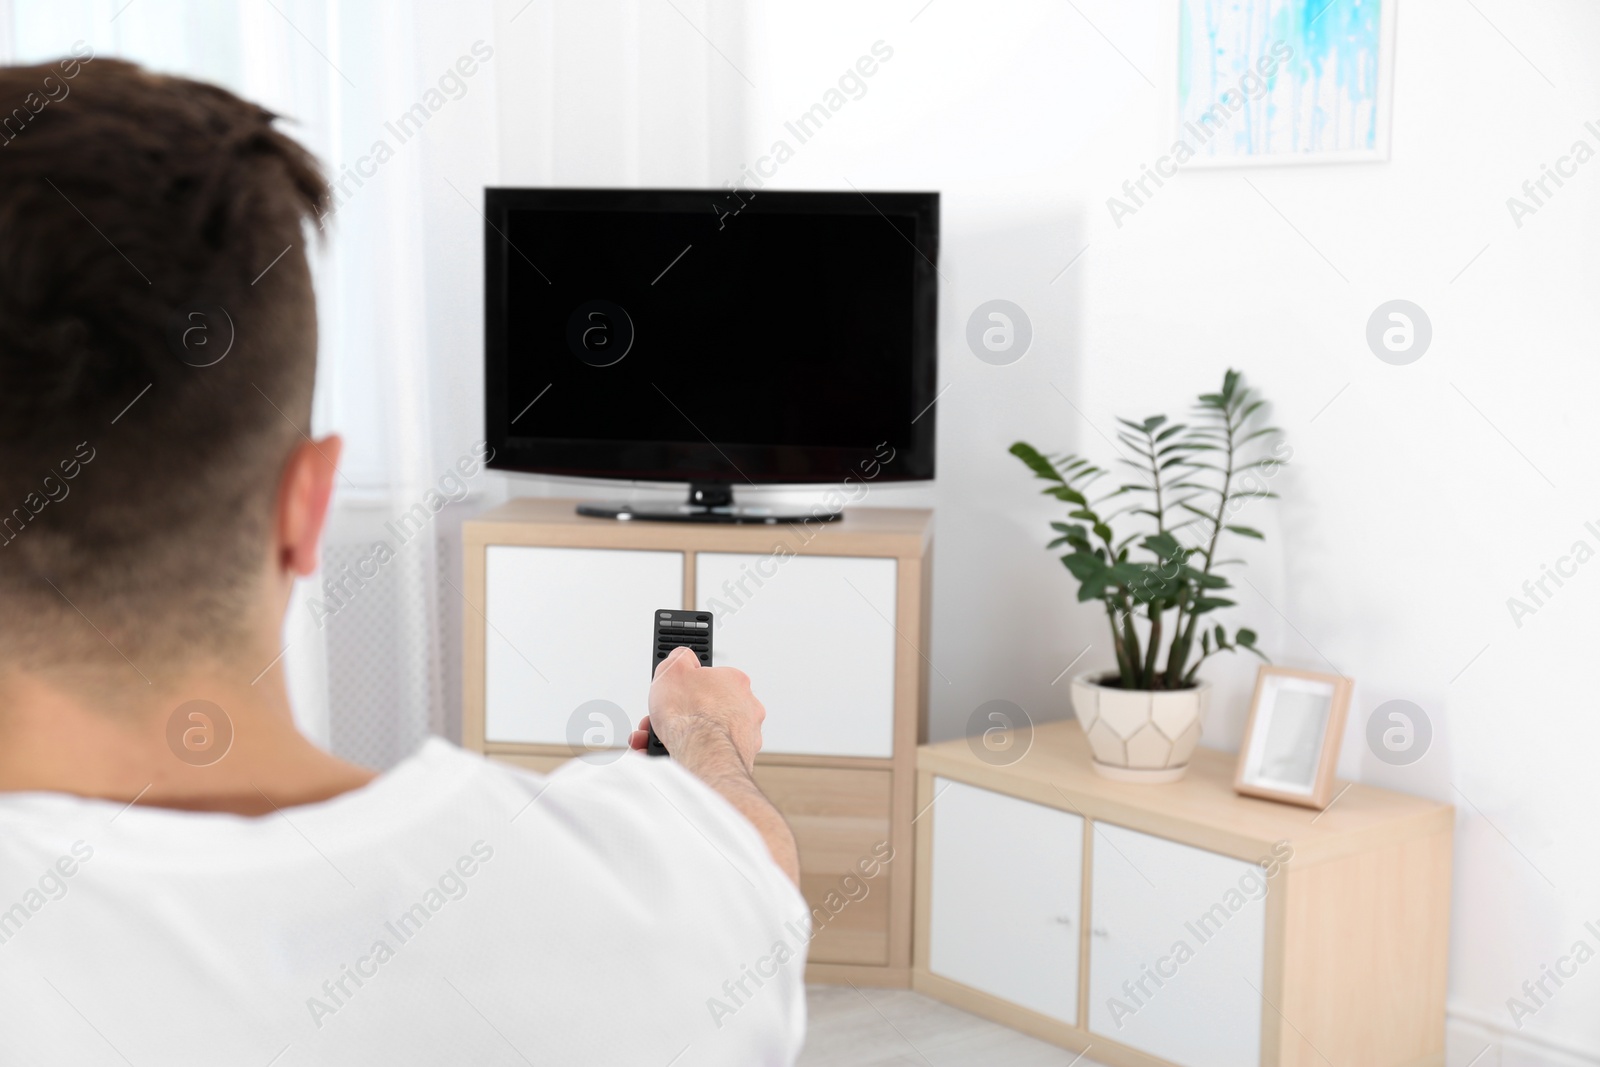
x: 1285, y: 81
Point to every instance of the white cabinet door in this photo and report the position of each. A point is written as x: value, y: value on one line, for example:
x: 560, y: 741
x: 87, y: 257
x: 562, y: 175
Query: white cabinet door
x: 815, y: 634
x: 1005, y: 896
x: 1175, y: 953
x: 567, y: 626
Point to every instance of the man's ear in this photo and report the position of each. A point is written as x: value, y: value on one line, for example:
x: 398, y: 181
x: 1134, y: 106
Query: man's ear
x: 303, y: 498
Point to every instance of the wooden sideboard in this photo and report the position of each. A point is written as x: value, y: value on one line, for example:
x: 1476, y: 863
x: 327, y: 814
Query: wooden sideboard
x: 826, y: 618
x: 1180, y: 923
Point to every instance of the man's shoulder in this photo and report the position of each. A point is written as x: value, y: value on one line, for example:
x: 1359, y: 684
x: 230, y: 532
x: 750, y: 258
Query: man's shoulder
x: 649, y: 817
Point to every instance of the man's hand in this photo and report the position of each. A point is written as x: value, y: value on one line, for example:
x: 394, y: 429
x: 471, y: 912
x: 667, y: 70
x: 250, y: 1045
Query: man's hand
x: 711, y: 723
x: 691, y: 704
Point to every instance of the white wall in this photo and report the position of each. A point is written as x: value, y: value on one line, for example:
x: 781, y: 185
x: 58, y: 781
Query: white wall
x: 1419, y: 497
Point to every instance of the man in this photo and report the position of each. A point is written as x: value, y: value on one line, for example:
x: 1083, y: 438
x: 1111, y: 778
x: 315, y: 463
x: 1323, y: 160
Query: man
x: 158, y: 499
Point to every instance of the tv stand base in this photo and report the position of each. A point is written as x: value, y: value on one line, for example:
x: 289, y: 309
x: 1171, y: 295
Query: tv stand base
x: 710, y: 502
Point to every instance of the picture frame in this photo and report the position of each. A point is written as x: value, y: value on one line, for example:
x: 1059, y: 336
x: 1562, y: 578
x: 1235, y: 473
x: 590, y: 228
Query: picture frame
x: 1292, y: 738
x: 1246, y: 89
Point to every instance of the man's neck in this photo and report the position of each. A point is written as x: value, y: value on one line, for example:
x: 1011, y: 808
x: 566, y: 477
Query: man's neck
x: 201, y: 740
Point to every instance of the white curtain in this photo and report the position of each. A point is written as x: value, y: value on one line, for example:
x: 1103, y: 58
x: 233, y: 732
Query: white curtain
x: 398, y: 99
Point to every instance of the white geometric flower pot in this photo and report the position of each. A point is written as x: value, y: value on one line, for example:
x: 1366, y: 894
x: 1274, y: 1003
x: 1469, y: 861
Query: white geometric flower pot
x: 1140, y: 735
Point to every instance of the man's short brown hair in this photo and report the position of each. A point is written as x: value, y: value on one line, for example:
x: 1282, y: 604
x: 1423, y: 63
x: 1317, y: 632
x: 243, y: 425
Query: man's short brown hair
x: 157, y: 355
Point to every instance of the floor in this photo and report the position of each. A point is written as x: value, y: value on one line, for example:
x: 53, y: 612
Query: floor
x: 898, y: 1028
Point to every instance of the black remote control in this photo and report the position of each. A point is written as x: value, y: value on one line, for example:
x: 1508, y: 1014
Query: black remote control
x: 676, y: 628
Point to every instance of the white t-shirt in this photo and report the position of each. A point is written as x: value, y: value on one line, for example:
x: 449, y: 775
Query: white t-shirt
x: 454, y: 911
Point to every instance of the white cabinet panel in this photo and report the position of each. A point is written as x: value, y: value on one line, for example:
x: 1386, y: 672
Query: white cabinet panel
x: 582, y: 618
x: 1175, y: 956
x: 814, y: 633
x: 1005, y: 895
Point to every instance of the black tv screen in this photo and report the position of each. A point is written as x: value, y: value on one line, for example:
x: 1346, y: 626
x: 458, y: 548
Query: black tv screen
x: 711, y: 336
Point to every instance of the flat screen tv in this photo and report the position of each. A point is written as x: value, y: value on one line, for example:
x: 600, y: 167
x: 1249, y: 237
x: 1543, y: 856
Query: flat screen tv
x: 715, y: 337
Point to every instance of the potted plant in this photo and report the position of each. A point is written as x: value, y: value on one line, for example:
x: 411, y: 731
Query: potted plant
x: 1143, y: 719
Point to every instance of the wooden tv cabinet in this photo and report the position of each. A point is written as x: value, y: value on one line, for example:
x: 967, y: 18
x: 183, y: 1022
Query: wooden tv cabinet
x: 1181, y: 924
x: 828, y: 619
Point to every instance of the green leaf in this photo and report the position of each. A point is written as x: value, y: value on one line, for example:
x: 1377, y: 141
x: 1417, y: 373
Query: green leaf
x: 1204, y: 580
x: 1131, y: 575
x: 1210, y: 603
x: 1040, y: 466
x: 1102, y: 531
x: 1245, y: 637
x: 1084, y: 565
x: 1164, y: 545
x: 1245, y: 531
x: 1072, y: 534
x: 1067, y: 494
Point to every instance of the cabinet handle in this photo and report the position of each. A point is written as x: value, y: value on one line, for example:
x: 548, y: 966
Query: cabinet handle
x: 1100, y: 931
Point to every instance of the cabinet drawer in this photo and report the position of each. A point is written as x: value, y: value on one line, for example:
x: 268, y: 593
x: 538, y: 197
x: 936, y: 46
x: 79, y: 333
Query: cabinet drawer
x: 816, y: 636
x: 567, y: 626
x: 841, y: 825
x: 1176, y: 952
x: 1005, y: 895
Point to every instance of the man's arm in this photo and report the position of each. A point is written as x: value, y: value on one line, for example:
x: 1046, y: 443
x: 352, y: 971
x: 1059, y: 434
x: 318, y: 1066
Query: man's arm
x: 711, y: 723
